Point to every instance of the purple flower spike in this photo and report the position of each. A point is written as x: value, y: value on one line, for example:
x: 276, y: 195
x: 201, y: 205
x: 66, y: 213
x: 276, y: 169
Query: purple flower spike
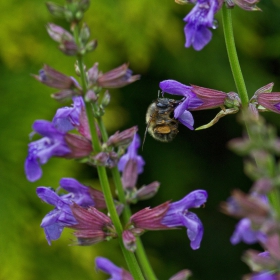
x: 54, y: 222
x: 40, y: 151
x: 67, y: 118
x: 78, y: 193
x: 244, y: 232
x: 114, y: 271
x: 178, y: 215
x: 190, y: 101
x: 199, y: 20
x: 132, y: 155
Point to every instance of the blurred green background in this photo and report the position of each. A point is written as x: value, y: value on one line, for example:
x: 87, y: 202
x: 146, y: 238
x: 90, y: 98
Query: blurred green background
x: 149, y: 35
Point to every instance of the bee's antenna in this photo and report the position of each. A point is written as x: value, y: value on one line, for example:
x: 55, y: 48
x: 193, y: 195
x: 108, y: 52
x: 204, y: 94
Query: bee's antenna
x: 158, y: 93
x: 145, y: 135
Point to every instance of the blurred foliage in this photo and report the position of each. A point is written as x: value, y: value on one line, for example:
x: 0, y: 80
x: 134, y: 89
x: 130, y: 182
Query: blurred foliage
x: 149, y: 35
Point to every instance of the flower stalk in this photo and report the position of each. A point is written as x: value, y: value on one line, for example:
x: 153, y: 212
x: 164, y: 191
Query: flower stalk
x: 104, y: 182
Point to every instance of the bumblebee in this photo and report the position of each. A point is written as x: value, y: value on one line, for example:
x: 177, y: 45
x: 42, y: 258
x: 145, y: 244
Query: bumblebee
x: 160, y: 120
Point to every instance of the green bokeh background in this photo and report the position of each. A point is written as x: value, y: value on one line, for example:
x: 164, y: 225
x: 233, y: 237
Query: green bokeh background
x: 149, y: 35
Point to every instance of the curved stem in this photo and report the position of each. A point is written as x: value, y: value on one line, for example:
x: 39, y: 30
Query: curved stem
x: 104, y: 182
x: 233, y: 58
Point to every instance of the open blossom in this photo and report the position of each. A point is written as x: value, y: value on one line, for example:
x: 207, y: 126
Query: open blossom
x: 68, y: 118
x: 199, y: 21
x: 40, y: 151
x: 172, y: 215
x: 114, y: 271
x: 189, y: 102
x: 61, y: 216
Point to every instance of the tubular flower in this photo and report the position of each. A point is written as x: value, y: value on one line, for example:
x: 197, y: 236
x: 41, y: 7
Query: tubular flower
x: 199, y: 20
x: 40, y: 151
x: 114, y: 271
x: 189, y: 102
x: 68, y: 118
x: 171, y: 215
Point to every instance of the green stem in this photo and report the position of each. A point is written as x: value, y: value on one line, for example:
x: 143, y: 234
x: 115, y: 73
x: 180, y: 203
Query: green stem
x: 104, y: 182
x: 273, y: 196
x: 233, y: 58
x: 140, y: 251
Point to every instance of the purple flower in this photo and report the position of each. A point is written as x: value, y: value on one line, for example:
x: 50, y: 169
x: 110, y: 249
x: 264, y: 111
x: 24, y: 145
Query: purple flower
x: 264, y: 275
x: 114, y: 271
x: 62, y: 216
x: 68, y: 118
x: 244, y: 232
x: 39, y: 152
x: 190, y: 101
x: 78, y: 193
x: 131, y: 154
x: 199, y: 20
x: 178, y: 215
x: 54, y: 222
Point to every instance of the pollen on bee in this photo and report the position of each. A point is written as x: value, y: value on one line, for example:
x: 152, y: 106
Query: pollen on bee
x: 163, y: 129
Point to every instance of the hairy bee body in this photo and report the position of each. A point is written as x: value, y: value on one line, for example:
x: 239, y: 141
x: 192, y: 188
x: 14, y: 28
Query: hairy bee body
x: 161, y: 124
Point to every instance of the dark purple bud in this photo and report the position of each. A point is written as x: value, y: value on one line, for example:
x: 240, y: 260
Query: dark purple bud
x: 122, y: 138
x: 68, y: 47
x: 117, y: 77
x: 92, y: 225
x: 55, y: 79
x: 107, y: 159
x: 130, y: 174
x: 182, y: 275
x: 147, y: 191
x: 129, y: 240
x: 114, y: 271
x: 150, y: 218
x: 79, y: 146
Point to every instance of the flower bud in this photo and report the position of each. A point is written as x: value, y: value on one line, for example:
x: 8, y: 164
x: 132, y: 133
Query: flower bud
x: 182, y: 275
x: 52, y: 78
x: 56, y: 10
x: 59, y: 34
x: 130, y: 174
x: 106, y: 99
x: 129, y: 240
x: 123, y: 138
x: 92, y: 74
x: 109, y: 159
x: 248, y: 5
x: 117, y: 77
x: 91, y: 45
x: 91, y: 96
x: 147, y: 191
x: 79, y: 146
x: 84, y: 33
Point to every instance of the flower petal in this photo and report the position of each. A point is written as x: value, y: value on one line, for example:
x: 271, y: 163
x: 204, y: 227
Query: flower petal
x: 174, y: 87
x: 187, y: 119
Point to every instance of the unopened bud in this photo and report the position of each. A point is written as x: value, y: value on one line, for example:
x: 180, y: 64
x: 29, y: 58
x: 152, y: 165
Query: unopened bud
x: 92, y: 74
x: 91, y: 45
x: 64, y: 94
x: 182, y: 275
x: 129, y: 240
x: 130, y: 174
x: 248, y: 5
x: 59, y: 34
x: 56, y: 10
x: 84, y: 33
x: 91, y: 96
x: 106, y: 99
x: 147, y: 191
x: 109, y: 159
x: 123, y: 138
